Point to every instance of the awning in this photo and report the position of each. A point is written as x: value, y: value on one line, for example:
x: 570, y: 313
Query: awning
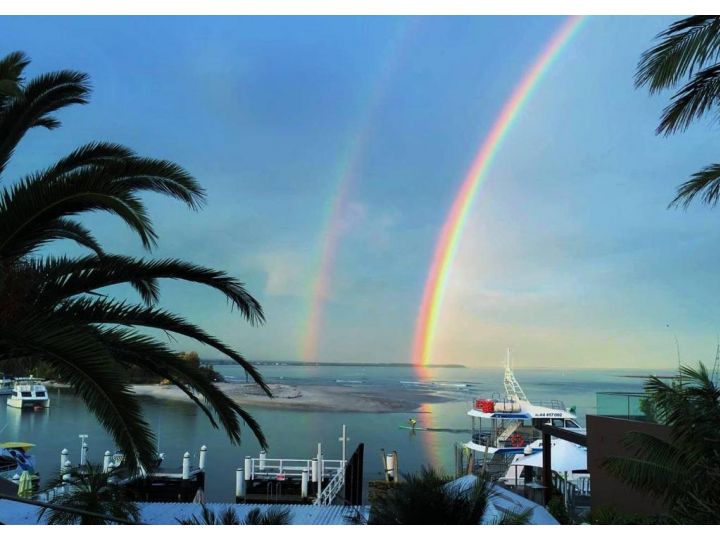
x: 565, y: 457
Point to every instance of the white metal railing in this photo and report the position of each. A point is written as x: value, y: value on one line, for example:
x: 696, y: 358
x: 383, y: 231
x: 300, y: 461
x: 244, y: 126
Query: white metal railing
x: 264, y: 468
x: 331, y: 490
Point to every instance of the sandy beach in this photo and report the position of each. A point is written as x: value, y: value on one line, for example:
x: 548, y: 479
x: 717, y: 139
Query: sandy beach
x: 307, y: 398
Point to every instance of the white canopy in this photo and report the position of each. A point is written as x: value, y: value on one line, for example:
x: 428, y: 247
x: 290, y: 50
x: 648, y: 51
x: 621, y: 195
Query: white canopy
x: 565, y: 456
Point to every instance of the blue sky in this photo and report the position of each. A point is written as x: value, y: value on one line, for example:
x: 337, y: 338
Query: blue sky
x: 570, y: 255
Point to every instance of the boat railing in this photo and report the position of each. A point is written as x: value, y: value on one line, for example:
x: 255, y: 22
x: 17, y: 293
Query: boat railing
x: 551, y: 404
x: 270, y: 468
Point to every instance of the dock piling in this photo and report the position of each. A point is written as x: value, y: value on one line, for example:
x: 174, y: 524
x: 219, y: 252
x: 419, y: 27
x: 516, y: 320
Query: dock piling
x: 263, y: 455
x: 304, y: 484
x: 203, y: 454
x: 240, y: 488
x: 248, y: 468
x: 106, y: 461
x: 186, y: 466
x: 63, y: 458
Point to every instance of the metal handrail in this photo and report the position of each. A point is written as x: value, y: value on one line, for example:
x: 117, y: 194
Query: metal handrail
x: 332, y: 489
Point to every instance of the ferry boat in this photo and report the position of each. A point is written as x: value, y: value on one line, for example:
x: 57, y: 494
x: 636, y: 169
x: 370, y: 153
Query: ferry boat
x: 6, y: 385
x: 505, y: 425
x: 29, y: 393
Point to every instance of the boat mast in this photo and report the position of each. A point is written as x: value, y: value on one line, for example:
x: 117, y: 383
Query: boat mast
x: 512, y: 388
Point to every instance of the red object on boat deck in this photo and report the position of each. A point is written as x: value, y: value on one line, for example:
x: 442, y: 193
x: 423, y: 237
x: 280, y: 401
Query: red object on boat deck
x: 485, y: 405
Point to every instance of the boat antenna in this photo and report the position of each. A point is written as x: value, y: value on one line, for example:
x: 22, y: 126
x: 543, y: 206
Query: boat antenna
x: 512, y: 388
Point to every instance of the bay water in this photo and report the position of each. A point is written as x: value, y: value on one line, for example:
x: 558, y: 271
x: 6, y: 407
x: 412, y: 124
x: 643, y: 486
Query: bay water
x: 294, y: 434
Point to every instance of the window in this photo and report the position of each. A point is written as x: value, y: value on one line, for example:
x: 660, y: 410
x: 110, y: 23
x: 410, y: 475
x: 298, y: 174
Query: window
x: 40, y: 394
x: 26, y: 394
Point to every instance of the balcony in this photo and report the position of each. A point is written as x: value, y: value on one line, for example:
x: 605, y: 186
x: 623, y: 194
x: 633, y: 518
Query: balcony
x: 626, y: 405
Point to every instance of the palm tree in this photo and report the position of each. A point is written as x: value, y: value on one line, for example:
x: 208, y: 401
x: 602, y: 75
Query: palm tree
x: 427, y: 499
x: 89, y: 490
x: 52, y: 307
x: 228, y: 516
x: 684, y: 471
x: 689, y: 49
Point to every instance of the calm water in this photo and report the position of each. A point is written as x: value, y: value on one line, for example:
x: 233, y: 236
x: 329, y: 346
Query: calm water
x: 294, y: 434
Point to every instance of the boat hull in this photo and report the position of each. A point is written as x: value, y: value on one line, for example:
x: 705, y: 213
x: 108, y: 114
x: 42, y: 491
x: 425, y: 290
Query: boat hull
x: 18, y: 403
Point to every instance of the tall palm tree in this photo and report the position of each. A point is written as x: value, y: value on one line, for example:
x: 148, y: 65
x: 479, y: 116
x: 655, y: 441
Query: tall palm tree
x: 689, y: 49
x: 684, y: 471
x: 89, y: 490
x: 52, y: 309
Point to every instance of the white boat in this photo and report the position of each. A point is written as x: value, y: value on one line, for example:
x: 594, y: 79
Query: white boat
x: 15, y: 459
x: 29, y: 393
x: 505, y: 425
x: 6, y: 385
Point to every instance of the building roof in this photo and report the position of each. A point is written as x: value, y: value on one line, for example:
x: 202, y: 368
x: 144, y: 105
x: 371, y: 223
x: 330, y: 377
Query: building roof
x: 14, y: 513
x: 503, y: 501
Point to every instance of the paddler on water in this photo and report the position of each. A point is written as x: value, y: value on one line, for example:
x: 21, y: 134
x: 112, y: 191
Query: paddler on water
x: 412, y: 423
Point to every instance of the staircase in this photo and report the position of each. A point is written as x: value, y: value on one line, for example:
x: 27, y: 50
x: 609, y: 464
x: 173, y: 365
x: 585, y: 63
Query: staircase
x: 509, y: 430
x: 332, y: 489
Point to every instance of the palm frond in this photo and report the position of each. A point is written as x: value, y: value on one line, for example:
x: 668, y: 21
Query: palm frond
x: 693, y: 100
x: 11, y: 68
x: 69, y: 229
x: 30, y: 208
x: 151, y: 355
x: 103, y: 311
x: 88, y: 367
x: 705, y: 182
x: 70, y: 277
x: 34, y: 105
x: 685, y: 47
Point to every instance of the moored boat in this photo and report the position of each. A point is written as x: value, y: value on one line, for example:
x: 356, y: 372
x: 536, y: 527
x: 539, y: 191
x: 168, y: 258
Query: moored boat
x: 6, y: 385
x: 29, y: 393
x: 15, y: 459
x: 509, y: 424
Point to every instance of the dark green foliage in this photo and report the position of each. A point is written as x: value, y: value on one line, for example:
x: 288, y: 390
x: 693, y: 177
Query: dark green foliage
x: 688, y: 49
x: 607, y: 515
x: 90, y: 491
x: 56, y: 311
x: 426, y: 499
x: 684, y: 471
x: 557, y: 509
x: 271, y: 516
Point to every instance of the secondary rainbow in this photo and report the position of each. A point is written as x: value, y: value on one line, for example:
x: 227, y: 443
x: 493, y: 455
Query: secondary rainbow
x: 350, y: 168
x: 446, y: 247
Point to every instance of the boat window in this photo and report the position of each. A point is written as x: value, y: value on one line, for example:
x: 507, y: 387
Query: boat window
x: 557, y: 422
x: 571, y: 424
x: 40, y: 394
x: 26, y: 394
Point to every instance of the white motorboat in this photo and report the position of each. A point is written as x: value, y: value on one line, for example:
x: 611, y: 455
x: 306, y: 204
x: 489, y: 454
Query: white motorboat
x: 29, y: 393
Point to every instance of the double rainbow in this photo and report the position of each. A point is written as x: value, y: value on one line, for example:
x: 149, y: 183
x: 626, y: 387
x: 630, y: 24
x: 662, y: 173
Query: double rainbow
x: 446, y: 247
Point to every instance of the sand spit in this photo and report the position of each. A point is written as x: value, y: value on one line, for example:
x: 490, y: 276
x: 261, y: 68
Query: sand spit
x: 306, y: 398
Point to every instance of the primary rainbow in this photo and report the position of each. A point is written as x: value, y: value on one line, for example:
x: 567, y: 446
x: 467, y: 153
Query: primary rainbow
x: 447, y: 244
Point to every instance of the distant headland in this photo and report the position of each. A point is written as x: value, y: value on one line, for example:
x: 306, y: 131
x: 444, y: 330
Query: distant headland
x: 224, y: 362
